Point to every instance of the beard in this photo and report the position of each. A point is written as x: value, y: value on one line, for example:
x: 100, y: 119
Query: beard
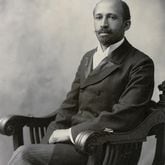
x: 108, y: 39
x: 105, y: 40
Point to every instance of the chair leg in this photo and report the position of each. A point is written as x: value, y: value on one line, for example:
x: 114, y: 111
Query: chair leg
x: 159, y: 158
x: 18, y: 138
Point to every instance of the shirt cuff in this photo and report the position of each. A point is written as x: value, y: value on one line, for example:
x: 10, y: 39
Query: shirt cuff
x: 70, y: 136
x: 108, y: 130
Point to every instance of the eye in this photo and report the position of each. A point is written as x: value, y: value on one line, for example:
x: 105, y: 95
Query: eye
x: 98, y: 17
x: 112, y: 16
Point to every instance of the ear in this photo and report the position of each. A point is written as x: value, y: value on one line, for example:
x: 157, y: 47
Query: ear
x: 127, y: 25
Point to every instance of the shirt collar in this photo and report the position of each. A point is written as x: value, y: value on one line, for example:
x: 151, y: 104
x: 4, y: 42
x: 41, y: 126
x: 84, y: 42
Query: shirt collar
x: 110, y: 49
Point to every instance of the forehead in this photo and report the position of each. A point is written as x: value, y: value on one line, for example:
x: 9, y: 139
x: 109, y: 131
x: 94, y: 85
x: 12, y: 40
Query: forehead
x: 111, y: 6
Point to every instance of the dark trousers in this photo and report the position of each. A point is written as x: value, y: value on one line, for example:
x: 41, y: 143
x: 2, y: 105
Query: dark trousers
x: 65, y: 154
x: 47, y: 154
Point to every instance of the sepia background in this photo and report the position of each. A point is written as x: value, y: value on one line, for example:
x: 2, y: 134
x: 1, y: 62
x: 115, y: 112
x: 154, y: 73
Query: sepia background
x: 42, y: 42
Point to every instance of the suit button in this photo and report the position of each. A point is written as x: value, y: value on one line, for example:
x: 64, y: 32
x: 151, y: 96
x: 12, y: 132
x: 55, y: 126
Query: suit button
x: 98, y: 93
x: 80, y: 112
x: 81, y: 90
x: 95, y: 114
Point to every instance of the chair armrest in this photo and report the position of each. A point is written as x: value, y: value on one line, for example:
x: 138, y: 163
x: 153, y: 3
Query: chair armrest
x: 87, y: 141
x: 10, y: 123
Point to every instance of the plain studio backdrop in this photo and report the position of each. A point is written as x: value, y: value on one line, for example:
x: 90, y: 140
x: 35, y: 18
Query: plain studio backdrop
x: 42, y: 42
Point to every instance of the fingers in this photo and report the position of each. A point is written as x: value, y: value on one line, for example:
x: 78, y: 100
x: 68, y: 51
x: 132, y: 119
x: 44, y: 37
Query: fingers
x: 59, y: 136
x: 52, y: 139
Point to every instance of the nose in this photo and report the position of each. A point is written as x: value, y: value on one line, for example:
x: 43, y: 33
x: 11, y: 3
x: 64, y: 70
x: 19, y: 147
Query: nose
x: 104, y: 23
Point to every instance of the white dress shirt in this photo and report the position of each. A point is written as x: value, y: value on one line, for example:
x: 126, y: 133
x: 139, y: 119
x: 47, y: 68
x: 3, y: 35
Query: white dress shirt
x: 100, y: 54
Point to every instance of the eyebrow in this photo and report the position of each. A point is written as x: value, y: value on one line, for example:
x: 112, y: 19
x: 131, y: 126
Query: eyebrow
x: 106, y: 14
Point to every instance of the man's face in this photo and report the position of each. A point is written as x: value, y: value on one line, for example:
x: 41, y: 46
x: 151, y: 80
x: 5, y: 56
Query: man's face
x: 108, y: 22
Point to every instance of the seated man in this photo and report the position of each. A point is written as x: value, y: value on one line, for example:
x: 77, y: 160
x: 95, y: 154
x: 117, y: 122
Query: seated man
x: 111, y: 91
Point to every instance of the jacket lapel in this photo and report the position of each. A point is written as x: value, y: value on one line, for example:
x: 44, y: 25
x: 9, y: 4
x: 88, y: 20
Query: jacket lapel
x: 88, y: 66
x: 108, y: 66
x: 99, y: 74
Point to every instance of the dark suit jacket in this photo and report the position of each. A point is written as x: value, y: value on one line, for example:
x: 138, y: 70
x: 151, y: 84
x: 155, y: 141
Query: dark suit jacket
x: 114, y: 95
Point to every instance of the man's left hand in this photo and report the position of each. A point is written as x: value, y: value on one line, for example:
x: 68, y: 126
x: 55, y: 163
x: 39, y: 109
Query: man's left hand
x: 60, y: 135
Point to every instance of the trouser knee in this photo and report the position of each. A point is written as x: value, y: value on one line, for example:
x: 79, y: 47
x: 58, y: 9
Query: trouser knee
x: 22, y: 153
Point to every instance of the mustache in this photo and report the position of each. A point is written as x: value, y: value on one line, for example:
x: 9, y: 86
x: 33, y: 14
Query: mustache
x: 103, y: 31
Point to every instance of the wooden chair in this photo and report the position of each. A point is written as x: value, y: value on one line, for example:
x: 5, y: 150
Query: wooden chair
x: 154, y: 124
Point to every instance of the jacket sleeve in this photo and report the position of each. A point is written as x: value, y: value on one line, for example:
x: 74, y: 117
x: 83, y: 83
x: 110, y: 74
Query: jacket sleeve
x: 132, y: 104
x: 69, y: 107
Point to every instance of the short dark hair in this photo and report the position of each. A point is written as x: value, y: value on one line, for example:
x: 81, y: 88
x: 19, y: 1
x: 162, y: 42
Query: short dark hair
x: 126, y: 11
